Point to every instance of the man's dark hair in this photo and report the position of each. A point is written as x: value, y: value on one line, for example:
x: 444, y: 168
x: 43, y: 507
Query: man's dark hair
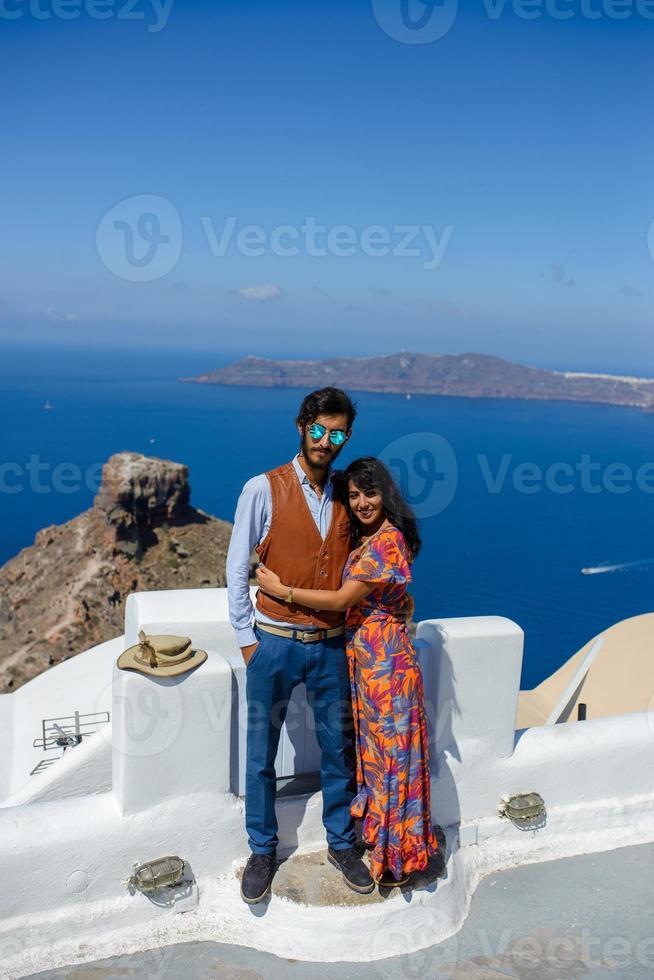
x: 326, y: 401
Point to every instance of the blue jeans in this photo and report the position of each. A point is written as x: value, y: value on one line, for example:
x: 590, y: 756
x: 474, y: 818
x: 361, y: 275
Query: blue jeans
x: 279, y: 664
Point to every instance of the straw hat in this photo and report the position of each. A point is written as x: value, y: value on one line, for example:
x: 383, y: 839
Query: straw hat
x: 161, y: 656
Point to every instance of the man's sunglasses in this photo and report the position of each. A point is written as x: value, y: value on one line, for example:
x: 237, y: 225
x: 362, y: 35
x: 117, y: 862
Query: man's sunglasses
x: 337, y: 437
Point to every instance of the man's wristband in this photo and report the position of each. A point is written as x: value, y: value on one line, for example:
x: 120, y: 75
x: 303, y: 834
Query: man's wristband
x: 289, y: 595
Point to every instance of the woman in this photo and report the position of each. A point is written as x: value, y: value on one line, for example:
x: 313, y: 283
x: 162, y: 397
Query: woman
x: 393, y: 795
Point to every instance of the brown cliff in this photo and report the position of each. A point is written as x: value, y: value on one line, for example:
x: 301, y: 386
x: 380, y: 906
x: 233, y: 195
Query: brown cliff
x: 67, y: 591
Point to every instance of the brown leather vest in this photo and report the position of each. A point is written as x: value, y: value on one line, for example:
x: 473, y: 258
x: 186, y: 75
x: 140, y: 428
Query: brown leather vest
x: 295, y: 550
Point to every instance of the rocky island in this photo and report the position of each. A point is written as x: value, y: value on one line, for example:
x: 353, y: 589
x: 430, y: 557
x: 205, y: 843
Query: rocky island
x: 463, y: 375
x: 66, y: 592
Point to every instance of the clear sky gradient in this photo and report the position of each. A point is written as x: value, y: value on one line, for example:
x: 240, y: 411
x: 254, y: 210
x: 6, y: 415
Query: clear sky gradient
x: 523, y: 144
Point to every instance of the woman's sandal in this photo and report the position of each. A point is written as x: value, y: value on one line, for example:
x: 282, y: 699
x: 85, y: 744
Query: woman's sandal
x: 388, y: 881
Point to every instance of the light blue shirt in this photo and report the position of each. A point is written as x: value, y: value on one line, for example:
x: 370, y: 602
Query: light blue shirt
x: 251, y: 524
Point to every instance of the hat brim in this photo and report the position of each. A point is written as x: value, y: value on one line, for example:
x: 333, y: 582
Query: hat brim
x: 127, y: 661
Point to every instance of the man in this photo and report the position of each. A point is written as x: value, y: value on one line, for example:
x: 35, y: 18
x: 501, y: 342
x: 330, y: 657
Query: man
x: 303, y: 533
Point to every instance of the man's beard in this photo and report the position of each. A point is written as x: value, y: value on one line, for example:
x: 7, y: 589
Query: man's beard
x: 321, y: 462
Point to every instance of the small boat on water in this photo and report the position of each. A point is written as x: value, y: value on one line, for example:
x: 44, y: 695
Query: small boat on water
x: 48, y: 405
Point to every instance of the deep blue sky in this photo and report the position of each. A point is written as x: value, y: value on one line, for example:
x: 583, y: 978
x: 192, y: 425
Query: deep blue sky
x: 530, y: 138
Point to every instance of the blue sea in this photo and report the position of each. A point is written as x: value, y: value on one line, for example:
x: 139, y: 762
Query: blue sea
x: 500, y: 535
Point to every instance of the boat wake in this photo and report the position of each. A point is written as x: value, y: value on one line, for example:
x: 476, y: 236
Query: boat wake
x: 598, y: 569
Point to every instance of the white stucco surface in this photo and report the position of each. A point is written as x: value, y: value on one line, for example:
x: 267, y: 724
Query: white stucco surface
x: 171, y: 746
x: 82, y: 684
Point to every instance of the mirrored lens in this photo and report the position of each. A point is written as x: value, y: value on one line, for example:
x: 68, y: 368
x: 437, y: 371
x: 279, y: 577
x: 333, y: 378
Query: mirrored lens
x: 317, y: 431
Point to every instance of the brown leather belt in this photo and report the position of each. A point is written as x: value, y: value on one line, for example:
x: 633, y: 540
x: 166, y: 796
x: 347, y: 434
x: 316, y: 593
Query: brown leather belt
x: 307, y: 636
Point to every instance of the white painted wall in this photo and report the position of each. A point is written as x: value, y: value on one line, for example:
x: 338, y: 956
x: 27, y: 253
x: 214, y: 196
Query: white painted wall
x: 171, y: 746
x: 203, y: 615
x: 7, y: 726
x: 83, y: 684
x: 472, y: 678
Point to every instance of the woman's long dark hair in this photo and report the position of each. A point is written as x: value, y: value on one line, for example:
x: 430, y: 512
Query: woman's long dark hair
x: 369, y: 473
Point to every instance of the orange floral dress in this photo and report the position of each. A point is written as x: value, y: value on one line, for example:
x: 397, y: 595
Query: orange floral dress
x: 392, y: 755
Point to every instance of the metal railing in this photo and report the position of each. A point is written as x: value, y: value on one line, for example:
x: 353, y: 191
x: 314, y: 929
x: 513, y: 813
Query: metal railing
x: 66, y: 731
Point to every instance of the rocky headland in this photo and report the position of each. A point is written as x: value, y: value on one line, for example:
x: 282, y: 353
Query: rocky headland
x: 463, y: 375
x: 66, y: 592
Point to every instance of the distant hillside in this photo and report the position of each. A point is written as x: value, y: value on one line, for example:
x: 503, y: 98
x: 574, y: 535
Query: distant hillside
x: 464, y: 375
x: 66, y: 592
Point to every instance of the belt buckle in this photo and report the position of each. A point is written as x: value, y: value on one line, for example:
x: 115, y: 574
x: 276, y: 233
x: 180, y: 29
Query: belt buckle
x: 310, y: 636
